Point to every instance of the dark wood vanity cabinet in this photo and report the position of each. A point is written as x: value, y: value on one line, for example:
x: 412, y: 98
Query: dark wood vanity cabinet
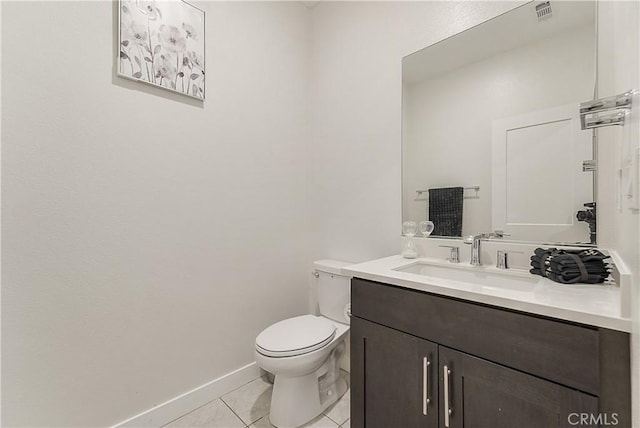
x: 405, y: 391
x: 417, y: 356
x: 486, y: 395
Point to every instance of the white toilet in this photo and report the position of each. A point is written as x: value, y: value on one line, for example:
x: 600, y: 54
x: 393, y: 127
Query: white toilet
x: 304, y: 352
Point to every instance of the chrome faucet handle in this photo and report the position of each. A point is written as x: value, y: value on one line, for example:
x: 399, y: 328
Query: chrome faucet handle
x: 454, y: 256
x: 499, y: 233
x: 502, y: 262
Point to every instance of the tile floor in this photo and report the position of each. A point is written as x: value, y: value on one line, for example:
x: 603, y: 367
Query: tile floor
x: 248, y: 406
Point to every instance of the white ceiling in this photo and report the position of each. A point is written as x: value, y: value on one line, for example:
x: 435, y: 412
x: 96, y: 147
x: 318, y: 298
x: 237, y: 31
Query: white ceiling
x: 505, y: 32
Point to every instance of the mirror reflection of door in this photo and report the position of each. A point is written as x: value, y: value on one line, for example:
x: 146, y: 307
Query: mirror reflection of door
x: 537, y: 180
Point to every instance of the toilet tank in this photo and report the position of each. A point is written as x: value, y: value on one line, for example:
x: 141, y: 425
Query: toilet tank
x: 334, y: 290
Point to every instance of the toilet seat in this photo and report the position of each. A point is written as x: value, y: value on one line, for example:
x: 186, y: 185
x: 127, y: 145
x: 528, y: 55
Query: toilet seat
x: 295, y: 336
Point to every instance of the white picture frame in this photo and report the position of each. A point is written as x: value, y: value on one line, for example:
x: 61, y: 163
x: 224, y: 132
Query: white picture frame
x: 162, y: 43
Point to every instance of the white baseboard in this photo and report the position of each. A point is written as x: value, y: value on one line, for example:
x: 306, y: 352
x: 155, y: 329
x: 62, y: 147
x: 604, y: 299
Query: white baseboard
x: 172, y: 409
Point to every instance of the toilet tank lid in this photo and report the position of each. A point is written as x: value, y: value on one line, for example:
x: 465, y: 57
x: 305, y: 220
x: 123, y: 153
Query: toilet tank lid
x: 331, y: 266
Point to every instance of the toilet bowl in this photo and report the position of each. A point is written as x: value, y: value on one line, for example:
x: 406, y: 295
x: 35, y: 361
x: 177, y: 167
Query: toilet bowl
x: 304, y: 352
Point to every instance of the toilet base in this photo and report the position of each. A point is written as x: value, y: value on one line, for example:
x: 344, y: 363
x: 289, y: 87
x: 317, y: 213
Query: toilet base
x: 297, y: 400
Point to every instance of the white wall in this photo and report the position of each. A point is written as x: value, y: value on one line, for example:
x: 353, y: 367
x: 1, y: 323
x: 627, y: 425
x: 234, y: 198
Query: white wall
x: 147, y: 239
x: 356, y: 169
x: 447, y: 137
x: 618, y: 71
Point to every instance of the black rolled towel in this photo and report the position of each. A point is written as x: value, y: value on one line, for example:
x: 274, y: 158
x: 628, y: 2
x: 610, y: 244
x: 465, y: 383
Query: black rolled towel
x: 570, y: 266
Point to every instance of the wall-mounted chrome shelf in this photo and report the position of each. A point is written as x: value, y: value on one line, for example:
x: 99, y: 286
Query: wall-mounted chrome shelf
x: 419, y: 193
x: 606, y: 111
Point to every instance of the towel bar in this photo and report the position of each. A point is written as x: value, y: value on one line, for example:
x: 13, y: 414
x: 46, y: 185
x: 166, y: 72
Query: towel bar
x: 475, y: 188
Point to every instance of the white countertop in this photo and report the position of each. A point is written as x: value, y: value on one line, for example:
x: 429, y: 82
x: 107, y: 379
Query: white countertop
x: 596, y: 305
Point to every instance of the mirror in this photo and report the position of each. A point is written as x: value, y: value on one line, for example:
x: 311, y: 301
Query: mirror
x: 491, y: 136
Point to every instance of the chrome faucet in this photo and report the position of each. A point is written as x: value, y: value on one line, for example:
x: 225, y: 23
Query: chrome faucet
x: 474, y: 240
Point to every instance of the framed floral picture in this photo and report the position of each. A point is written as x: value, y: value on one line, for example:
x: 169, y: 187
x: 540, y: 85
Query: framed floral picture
x: 162, y: 44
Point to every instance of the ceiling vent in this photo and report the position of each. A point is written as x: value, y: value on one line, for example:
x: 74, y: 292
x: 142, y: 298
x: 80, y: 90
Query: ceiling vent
x: 543, y: 10
x: 310, y: 4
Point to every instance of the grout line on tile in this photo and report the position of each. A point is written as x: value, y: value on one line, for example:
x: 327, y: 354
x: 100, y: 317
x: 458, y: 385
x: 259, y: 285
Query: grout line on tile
x: 209, y: 402
x: 234, y: 413
x: 191, y: 411
x: 244, y: 384
x: 335, y: 422
x: 259, y: 419
x: 328, y: 409
x: 327, y: 416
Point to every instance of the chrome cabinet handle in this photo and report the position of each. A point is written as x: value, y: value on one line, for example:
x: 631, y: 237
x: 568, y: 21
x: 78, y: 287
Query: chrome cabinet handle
x: 447, y: 405
x: 425, y: 386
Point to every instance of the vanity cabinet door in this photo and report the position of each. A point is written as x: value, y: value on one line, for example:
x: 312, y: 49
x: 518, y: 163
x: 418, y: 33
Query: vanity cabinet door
x: 394, y: 378
x: 478, y: 393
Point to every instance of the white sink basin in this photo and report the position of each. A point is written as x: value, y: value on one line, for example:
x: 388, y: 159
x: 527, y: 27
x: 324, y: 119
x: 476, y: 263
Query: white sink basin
x: 473, y: 275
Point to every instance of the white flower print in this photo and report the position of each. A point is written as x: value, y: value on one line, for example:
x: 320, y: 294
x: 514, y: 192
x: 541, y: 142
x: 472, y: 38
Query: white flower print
x: 172, y: 39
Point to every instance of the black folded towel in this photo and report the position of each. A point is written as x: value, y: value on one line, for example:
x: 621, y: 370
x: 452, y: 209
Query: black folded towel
x: 570, y: 266
x: 445, y: 210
